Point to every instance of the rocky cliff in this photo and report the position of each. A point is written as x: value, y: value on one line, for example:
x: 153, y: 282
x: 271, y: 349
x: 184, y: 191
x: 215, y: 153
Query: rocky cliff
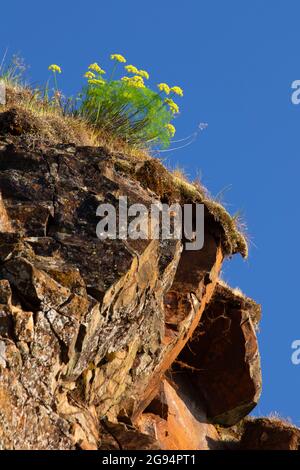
x: 118, y: 344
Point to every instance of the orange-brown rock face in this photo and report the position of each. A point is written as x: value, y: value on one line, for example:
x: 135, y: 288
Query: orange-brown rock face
x: 86, y: 329
x: 221, y: 363
x: 270, y: 434
x: 216, y: 377
x: 89, y: 329
x: 184, y: 303
x: 176, y: 424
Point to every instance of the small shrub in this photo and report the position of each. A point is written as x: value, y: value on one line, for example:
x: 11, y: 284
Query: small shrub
x: 127, y: 108
x: 123, y: 109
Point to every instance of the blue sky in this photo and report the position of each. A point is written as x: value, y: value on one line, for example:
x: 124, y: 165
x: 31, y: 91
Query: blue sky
x: 236, y: 61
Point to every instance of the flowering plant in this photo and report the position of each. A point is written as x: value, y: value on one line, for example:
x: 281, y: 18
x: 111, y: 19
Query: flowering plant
x: 127, y: 107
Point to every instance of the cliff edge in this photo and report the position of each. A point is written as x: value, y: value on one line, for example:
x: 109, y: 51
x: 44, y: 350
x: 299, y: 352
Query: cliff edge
x: 117, y: 344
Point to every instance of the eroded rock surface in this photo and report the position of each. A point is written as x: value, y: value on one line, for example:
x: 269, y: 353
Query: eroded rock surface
x: 270, y: 434
x: 84, y: 329
x: 221, y: 362
x: 90, y: 329
x: 176, y: 423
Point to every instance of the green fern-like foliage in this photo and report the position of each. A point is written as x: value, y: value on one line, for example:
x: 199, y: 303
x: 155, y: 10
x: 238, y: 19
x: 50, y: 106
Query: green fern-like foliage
x: 127, y: 107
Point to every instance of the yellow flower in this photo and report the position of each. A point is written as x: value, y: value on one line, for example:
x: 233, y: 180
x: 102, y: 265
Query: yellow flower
x: 95, y: 81
x: 164, y: 87
x: 118, y: 57
x: 137, y: 78
x: 135, y: 81
x: 177, y: 90
x: 171, y: 129
x: 173, y: 106
x: 54, y: 68
x: 96, y: 68
x: 131, y: 69
x: 89, y: 75
x: 143, y: 73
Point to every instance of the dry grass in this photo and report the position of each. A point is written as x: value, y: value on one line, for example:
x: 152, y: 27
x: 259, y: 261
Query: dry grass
x: 180, y: 173
x: 239, y: 300
x: 275, y: 418
x: 32, y: 116
x: 234, y: 227
x: 236, y: 291
x: 49, y: 124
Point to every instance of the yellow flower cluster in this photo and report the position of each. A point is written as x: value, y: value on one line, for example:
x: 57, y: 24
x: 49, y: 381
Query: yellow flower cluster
x: 171, y: 129
x: 144, y: 74
x: 96, y: 68
x: 136, y: 71
x: 95, y: 78
x: 131, y: 69
x: 177, y: 90
x: 136, y: 81
x: 89, y: 75
x: 161, y: 109
x: 54, y: 68
x: 174, y: 108
x: 164, y: 87
x: 96, y: 81
x: 118, y: 58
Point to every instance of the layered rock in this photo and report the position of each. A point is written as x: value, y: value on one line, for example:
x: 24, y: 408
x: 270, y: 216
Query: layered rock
x: 115, y: 344
x: 270, y: 434
x: 221, y: 364
x: 83, y: 319
x: 176, y: 423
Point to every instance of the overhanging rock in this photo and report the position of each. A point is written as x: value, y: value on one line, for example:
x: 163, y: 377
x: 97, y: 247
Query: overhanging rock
x: 221, y: 363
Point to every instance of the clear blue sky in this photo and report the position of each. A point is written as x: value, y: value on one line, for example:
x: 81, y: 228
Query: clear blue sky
x: 236, y: 61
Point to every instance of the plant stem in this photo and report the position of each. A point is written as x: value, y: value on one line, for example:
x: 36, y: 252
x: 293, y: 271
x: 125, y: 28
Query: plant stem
x: 55, y: 82
x: 113, y: 72
x: 3, y: 59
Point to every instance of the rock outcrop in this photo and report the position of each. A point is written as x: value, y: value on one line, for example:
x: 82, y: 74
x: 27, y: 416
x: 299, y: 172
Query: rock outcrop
x: 176, y: 422
x: 270, y: 434
x: 115, y: 344
x: 221, y: 364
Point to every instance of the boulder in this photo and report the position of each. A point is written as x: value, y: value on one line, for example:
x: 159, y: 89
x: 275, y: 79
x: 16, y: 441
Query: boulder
x: 221, y: 362
x: 270, y: 434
